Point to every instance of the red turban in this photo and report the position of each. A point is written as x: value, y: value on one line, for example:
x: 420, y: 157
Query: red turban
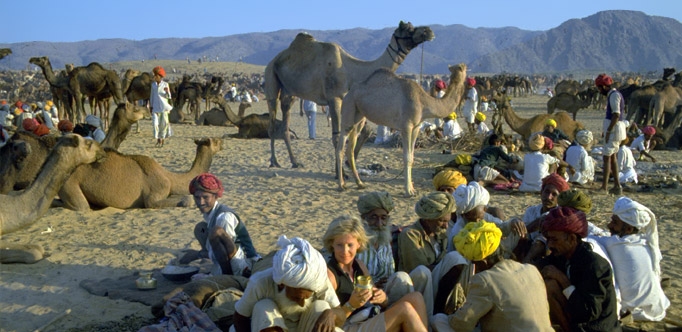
x: 549, y: 144
x: 30, y: 124
x: 603, y: 80
x: 557, y: 181
x: 41, y: 130
x: 206, y: 182
x: 566, y: 219
x: 649, y: 130
x: 65, y: 125
x: 160, y: 71
x: 440, y: 84
x: 18, y: 104
x: 471, y: 81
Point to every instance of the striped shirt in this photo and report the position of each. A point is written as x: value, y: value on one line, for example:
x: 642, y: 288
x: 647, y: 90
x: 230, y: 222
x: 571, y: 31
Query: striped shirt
x: 379, y: 261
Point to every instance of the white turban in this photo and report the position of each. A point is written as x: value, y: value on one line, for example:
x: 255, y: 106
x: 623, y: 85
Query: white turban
x: 299, y: 265
x: 92, y: 120
x: 467, y: 197
x: 638, y: 215
x: 584, y: 137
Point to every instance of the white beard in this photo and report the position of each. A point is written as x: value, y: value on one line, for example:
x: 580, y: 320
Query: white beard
x: 289, y: 309
x: 379, y: 236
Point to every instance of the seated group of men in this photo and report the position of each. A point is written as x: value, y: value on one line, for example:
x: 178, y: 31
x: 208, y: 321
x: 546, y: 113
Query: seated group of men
x: 471, y: 268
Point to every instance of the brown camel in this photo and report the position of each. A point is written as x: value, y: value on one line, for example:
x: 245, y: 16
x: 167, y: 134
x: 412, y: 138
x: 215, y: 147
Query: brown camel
x: 22, y: 209
x: 218, y: 116
x: 526, y: 127
x: 395, y: 102
x: 665, y: 101
x: 324, y: 72
x: 22, y: 158
x: 134, y: 181
x: 58, y: 87
x: 125, y: 116
x: 5, y: 52
x: 567, y: 86
x: 568, y: 102
x: 93, y: 80
x: 251, y: 126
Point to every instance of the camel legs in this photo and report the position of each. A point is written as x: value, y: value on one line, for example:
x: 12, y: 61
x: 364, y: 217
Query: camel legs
x: 285, y: 102
x: 350, y: 151
x: 409, y: 139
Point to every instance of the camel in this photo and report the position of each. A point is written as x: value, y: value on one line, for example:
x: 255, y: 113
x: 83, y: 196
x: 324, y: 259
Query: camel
x: 93, y: 80
x: 5, y: 52
x: 251, y: 126
x: 526, y: 127
x: 139, y: 88
x: 567, y: 86
x: 395, y: 102
x: 58, y: 87
x: 324, y: 72
x: 218, y: 116
x: 568, y: 102
x: 134, y: 181
x: 125, y: 116
x: 21, y: 210
x: 665, y: 101
x: 22, y: 158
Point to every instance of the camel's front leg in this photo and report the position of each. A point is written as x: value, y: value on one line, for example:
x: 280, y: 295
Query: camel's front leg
x: 408, y: 147
x: 286, y: 107
x: 352, y: 141
x: 339, y: 160
x: 272, y: 131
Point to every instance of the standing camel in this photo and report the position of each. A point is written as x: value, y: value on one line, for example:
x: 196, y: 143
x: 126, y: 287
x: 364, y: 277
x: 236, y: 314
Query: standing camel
x: 386, y: 99
x: 324, y: 72
x: 568, y: 102
x: 58, y: 86
x: 93, y: 80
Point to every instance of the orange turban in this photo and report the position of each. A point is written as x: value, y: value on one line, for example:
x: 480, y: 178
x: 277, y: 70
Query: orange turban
x: 65, y: 125
x: 160, y: 71
x: 41, y: 130
x: 566, y: 219
x: 557, y: 181
x: 206, y: 182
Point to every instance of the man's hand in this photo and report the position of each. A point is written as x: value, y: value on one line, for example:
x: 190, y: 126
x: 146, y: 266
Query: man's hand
x: 551, y: 272
x: 325, y: 323
x: 518, y: 227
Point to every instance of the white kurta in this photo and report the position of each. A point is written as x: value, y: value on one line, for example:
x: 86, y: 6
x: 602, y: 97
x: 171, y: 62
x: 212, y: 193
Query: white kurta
x: 583, y: 164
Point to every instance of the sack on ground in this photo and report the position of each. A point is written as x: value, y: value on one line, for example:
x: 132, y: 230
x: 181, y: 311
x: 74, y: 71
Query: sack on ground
x: 221, y: 303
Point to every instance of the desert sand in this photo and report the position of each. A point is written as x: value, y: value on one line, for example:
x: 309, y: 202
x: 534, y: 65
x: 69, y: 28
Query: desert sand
x: 112, y: 243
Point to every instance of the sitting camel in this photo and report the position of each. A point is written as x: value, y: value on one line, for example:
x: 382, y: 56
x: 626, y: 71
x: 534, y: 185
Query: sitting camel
x: 21, y: 210
x: 134, y: 181
x: 251, y: 126
x: 526, y: 127
x: 217, y: 116
x: 395, y: 102
x: 125, y: 116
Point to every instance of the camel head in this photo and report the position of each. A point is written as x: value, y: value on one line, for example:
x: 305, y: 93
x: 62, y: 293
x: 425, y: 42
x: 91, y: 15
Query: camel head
x: 41, y: 62
x: 667, y: 72
x: 409, y: 37
x: 86, y: 150
x: 5, y: 52
x: 458, y: 73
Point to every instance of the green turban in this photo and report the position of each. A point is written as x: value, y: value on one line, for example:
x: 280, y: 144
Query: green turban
x: 375, y: 200
x: 435, y: 205
x: 576, y: 199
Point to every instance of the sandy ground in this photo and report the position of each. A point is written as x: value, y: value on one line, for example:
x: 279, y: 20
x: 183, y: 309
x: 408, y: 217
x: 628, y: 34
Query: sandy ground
x: 112, y: 243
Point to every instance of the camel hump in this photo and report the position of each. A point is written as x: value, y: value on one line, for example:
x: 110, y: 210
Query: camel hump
x: 302, y: 39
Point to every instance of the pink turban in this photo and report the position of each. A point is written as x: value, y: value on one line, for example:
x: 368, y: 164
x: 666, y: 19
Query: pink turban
x: 566, y: 219
x: 649, y: 130
x: 471, y: 81
x: 603, y: 80
x: 206, y: 182
x: 440, y: 84
x: 549, y: 144
x: 557, y: 181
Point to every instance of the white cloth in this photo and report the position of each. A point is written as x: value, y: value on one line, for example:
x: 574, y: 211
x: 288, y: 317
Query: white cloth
x: 582, y: 163
x: 159, y: 98
x: 452, y: 130
x: 379, y: 261
x: 640, y: 144
x: 227, y: 221
x: 482, y: 128
x: 470, y: 196
x: 97, y: 135
x: 383, y: 134
x: 93, y: 120
x: 532, y: 213
x: 638, y: 215
x: 299, y: 265
x: 535, y: 168
x: 470, y: 105
x: 626, y: 165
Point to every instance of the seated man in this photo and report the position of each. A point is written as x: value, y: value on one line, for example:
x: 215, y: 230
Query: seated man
x: 581, y: 161
x: 554, y: 133
x: 626, y: 164
x: 222, y: 235
x: 451, y: 129
x: 294, y: 295
x: 94, y: 125
x: 644, y: 143
x: 481, y: 127
x: 633, y: 249
x: 579, y: 282
x: 488, y: 158
x: 537, y: 165
x: 503, y: 295
x: 424, y: 244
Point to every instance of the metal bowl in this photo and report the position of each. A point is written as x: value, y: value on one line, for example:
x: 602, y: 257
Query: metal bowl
x: 179, y: 273
x: 145, y: 281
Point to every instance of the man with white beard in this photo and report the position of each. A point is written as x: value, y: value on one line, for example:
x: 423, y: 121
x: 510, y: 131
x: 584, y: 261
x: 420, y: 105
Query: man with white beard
x: 294, y: 295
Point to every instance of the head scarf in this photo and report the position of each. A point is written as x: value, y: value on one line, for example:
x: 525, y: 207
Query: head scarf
x: 449, y: 177
x: 298, y: 265
x: 549, y: 144
x: 471, y: 81
x: 41, y: 130
x: 477, y: 240
x: 557, y: 181
x: 49, y: 103
x: 470, y: 196
x: 18, y: 104
x: 65, y: 125
x: 480, y: 116
x: 603, y: 80
x: 40, y: 105
x: 160, y: 71
x: 440, y: 84
x: 576, y: 199
x: 566, y: 219
x: 206, y: 182
x: 434, y: 205
x: 551, y: 122
x: 536, y: 142
x: 649, y: 130
x: 30, y: 124
x: 584, y: 137
x: 452, y: 116
x: 638, y: 215
x: 375, y: 200
x: 93, y: 120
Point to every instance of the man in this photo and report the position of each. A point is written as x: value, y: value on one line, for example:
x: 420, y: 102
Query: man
x: 222, y: 235
x: 479, y: 123
x: 613, y: 135
x: 644, y: 143
x: 94, y: 128
x: 581, y: 161
x: 159, y: 103
x: 636, y: 257
x: 554, y: 133
x: 579, y: 282
x: 294, y: 295
x: 424, y: 243
x: 488, y: 159
x: 448, y: 180
x: 503, y: 295
x: 470, y: 103
x: 310, y: 109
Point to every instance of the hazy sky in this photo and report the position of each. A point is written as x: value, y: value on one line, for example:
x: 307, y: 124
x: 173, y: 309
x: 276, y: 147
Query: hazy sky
x: 76, y: 20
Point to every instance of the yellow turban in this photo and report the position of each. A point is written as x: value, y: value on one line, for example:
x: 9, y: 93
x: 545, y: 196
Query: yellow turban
x: 452, y: 116
x: 449, y: 177
x: 49, y: 103
x: 478, y: 240
x: 551, y: 122
x: 480, y: 116
x: 536, y: 142
x: 375, y: 200
x: 435, y: 205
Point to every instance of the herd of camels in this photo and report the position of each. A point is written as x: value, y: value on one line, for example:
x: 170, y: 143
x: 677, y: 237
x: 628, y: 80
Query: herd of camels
x: 355, y: 91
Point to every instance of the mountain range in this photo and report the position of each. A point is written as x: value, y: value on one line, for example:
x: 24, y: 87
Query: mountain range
x: 615, y: 40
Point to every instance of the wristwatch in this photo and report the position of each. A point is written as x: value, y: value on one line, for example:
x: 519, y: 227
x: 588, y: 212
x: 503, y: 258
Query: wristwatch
x: 349, y: 306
